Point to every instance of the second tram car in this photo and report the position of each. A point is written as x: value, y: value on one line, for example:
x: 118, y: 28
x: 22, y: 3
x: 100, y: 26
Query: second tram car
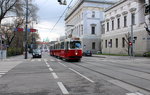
x: 69, y: 49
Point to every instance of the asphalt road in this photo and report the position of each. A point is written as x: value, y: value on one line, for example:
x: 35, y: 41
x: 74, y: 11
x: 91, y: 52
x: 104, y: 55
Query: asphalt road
x: 96, y: 75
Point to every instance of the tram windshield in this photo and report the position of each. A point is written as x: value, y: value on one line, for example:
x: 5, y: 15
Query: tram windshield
x: 75, y: 44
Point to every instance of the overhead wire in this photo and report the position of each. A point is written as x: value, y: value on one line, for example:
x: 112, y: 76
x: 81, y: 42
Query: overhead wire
x: 61, y: 16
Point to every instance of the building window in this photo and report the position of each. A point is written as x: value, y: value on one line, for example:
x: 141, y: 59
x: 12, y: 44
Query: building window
x: 93, y: 14
x: 93, y: 29
x: 125, y: 21
x: 123, y: 42
x: 116, y: 42
x: 93, y: 45
x: 105, y: 43
x: 103, y: 29
x: 133, y: 18
x: 81, y: 29
x: 112, y: 24
x: 107, y: 26
x: 110, y: 43
x: 118, y: 22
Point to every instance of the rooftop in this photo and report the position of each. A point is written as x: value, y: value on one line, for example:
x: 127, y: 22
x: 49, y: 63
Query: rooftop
x: 116, y: 4
x: 80, y: 2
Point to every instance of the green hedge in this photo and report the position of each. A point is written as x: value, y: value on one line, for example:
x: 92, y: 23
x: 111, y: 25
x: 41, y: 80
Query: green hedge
x: 14, y: 51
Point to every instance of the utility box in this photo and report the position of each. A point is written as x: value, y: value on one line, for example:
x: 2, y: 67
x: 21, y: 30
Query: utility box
x: 3, y: 54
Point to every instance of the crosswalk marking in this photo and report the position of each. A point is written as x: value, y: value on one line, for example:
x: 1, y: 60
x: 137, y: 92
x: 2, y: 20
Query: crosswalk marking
x: 32, y: 60
x: 7, y: 66
x: 2, y: 73
x: 45, y: 60
x: 39, y: 59
x: 136, y: 93
x: 52, y: 60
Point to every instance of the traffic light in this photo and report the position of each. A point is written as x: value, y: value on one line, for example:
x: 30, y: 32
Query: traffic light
x: 130, y: 43
x: 147, y: 9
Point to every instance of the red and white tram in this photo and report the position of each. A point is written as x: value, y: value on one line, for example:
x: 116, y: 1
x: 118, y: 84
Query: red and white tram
x: 69, y: 49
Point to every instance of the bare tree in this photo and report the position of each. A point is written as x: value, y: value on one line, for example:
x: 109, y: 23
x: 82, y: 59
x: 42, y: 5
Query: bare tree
x: 15, y: 8
x: 127, y: 40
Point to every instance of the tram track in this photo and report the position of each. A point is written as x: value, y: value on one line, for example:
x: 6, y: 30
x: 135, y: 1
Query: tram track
x: 123, y: 66
x: 125, y: 73
x: 145, y: 91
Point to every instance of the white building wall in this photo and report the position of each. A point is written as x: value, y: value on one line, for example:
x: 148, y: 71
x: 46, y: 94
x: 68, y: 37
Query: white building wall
x: 127, y: 7
x: 82, y: 16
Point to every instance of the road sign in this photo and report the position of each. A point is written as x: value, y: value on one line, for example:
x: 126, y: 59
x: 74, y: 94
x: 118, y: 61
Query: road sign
x: 32, y: 30
x: 19, y: 29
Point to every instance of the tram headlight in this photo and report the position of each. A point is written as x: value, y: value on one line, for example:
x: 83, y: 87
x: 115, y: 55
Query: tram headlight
x: 76, y: 53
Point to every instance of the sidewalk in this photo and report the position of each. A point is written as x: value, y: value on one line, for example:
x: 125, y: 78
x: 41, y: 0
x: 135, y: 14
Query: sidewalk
x: 127, y: 59
x: 15, y: 58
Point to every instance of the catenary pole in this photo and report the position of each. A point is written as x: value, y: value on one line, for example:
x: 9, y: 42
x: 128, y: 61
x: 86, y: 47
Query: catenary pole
x: 26, y: 32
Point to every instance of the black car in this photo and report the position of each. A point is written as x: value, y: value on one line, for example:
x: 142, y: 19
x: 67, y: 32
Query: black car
x: 87, y: 53
x: 37, y: 53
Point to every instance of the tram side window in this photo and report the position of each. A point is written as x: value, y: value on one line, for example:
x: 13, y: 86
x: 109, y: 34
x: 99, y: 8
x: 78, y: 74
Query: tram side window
x: 66, y: 45
x: 72, y: 45
x: 59, y: 46
x: 62, y: 45
x: 54, y: 46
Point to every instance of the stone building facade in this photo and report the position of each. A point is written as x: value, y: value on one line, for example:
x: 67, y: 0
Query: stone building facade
x: 83, y: 21
x: 120, y: 20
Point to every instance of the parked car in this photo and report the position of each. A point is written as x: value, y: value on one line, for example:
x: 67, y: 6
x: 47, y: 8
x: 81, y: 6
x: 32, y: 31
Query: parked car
x: 146, y: 54
x: 37, y: 53
x: 87, y: 53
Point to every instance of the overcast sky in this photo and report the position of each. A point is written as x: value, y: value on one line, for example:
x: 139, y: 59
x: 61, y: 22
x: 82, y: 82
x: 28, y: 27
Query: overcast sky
x: 49, y: 12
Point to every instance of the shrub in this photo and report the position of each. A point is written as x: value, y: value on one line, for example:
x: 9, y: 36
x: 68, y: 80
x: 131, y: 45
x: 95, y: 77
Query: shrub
x: 14, y: 51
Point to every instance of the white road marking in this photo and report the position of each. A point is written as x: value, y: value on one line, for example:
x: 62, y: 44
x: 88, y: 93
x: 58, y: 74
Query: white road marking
x: 62, y: 64
x: 2, y: 73
x: 62, y: 87
x: 48, y: 65
x: 39, y: 59
x: 136, y: 93
x: 51, y: 69
x: 58, y: 60
x: 45, y: 60
x: 81, y: 75
x: 32, y: 60
x: 52, y: 60
x: 128, y: 87
x: 55, y: 76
